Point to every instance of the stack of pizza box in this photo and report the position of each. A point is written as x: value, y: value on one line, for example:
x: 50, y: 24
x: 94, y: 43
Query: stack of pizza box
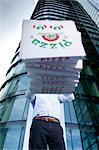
x: 53, y: 54
x: 53, y: 75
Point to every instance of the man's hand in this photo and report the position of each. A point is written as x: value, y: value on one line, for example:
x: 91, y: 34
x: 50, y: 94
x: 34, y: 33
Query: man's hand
x: 66, y: 97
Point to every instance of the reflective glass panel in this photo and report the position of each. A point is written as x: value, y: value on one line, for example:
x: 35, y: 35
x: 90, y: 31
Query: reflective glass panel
x: 4, y: 90
x: 19, y: 67
x: 6, y: 109
x: 77, y: 145
x: 23, y: 83
x: 18, y: 111
x: 14, y: 84
x: 13, y: 138
x: 69, y: 112
x: 73, y: 139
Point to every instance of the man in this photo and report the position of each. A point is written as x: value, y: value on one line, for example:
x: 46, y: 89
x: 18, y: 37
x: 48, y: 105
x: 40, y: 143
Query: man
x: 46, y: 129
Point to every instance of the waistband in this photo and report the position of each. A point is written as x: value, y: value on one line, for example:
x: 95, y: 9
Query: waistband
x: 47, y: 119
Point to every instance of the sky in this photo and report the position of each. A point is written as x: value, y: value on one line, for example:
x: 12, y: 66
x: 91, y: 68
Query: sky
x: 12, y: 13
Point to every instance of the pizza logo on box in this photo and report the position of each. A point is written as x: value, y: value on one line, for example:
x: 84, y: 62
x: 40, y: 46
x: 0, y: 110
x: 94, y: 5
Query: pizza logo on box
x: 50, y: 36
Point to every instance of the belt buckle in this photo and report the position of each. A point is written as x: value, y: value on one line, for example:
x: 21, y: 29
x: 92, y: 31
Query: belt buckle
x: 46, y: 119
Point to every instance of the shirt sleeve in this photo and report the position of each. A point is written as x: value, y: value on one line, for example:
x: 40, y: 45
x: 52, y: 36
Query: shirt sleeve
x: 65, y: 97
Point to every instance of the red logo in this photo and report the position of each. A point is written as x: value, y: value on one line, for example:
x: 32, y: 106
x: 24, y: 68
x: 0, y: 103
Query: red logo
x: 50, y: 37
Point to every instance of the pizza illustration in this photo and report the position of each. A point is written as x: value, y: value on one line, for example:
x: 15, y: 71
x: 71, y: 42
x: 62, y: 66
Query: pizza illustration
x: 50, y: 37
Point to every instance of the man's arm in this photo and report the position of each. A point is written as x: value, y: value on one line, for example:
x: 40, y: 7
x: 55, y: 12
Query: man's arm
x: 66, y: 97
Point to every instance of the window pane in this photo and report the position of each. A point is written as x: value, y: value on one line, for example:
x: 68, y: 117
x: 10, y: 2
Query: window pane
x: 72, y: 112
x: 23, y: 83
x: 73, y: 139
x: 70, y: 116
x: 94, y: 147
x: 66, y: 110
x: 6, y: 109
x: 14, y: 109
x: 94, y: 89
x: 18, y: 109
x: 13, y: 86
x: 68, y: 139
x: 4, y: 90
x: 13, y: 138
x: 76, y: 139
x: 19, y: 67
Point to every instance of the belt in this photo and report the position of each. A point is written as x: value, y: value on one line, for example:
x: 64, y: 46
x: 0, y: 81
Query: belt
x: 47, y: 119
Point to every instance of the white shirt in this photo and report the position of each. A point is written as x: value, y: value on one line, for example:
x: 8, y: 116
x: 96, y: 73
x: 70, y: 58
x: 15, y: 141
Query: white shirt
x: 49, y: 104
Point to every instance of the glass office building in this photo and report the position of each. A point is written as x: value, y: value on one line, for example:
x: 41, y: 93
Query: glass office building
x: 92, y: 8
x: 82, y: 115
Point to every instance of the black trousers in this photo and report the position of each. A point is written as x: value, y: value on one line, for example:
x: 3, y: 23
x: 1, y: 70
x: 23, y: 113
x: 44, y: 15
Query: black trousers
x: 44, y: 133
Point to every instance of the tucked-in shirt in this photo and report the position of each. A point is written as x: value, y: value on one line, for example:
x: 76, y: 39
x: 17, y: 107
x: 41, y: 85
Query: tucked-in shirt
x: 49, y: 104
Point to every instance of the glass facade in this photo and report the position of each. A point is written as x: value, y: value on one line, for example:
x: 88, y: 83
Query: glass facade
x: 92, y: 8
x: 12, y: 137
x: 73, y: 138
x: 13, y: 108
x: 81, y: 115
